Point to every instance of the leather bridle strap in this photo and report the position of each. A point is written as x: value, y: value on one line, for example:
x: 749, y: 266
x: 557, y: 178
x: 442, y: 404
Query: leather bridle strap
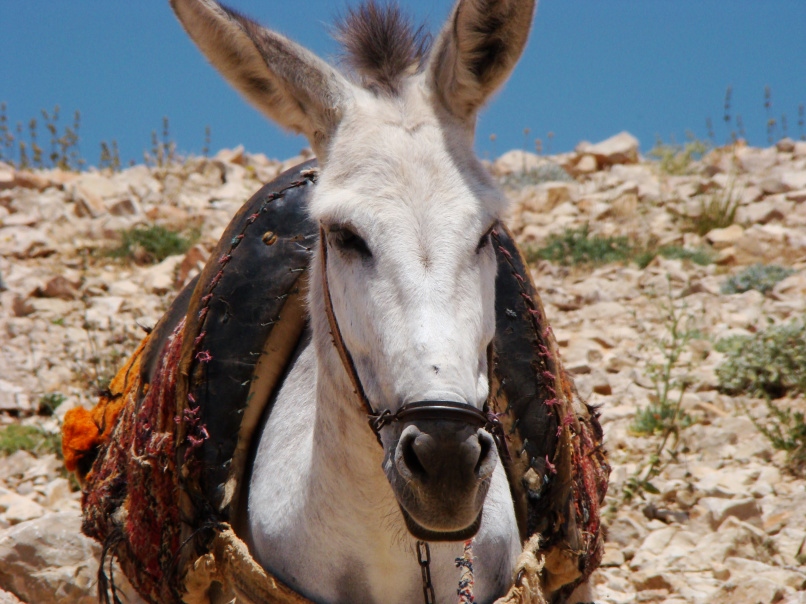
x: 338, y: 341
x: 433, y: 410
x: 419, y: 410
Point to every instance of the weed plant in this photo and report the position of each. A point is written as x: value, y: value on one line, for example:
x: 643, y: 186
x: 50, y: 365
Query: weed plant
x: 163, y: 150
x: 760, y: 277
x: 151, y: 244
x: 110, y: 157
x: 663, y: 415
x: 62, y: 148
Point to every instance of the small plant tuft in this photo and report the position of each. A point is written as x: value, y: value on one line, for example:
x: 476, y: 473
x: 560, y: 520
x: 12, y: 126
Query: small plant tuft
x: 700, y: 256
x: 760, y: 277
x: 33, y: 439
x: 49, y: 402
x: 676, y: 159
x: 717, y: 211
x: 151, y: 244
x: 578, y: 246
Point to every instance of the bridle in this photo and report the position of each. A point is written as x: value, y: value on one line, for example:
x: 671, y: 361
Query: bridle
x: 418, y: 410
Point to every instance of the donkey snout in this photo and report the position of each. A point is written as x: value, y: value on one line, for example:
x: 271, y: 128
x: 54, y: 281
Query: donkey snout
x: 445, y: 457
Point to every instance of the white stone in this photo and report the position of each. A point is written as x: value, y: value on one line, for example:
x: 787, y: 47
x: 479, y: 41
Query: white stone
x: 794, y: 179
x: 619, y: 149
x: 587, y: 164
x: 49, y: 561
x: 159, y: 279
x: 516, y: 161
x: 722, y: 238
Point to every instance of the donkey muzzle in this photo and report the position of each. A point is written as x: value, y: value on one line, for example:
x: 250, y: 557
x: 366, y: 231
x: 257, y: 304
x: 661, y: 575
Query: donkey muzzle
x: 440, y: 467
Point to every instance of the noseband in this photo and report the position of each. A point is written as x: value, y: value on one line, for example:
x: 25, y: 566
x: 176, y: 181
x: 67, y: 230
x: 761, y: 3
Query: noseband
x: 419, y: 410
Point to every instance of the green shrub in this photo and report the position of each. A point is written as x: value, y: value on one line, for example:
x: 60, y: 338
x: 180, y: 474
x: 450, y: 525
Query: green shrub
x: 761, y: 277
x: 771, y: 363
x: 15, y: 437
x: 154, y: 243
x: 578, y: 246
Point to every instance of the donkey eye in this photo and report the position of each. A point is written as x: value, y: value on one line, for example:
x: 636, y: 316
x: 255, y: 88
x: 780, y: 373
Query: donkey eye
x: 347, y: 241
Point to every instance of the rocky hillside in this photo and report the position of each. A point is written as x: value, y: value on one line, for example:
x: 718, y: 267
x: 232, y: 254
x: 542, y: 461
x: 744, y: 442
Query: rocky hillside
x: 642, y: 266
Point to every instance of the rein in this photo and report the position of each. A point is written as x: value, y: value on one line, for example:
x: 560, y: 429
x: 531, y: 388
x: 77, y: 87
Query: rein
x: 418, y: 410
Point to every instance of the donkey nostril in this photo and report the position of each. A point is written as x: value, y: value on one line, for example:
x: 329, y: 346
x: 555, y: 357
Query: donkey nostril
x: 410, y: 458
x: 483, y: 467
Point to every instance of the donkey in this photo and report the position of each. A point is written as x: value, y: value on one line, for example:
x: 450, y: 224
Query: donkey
x: 401, y: 305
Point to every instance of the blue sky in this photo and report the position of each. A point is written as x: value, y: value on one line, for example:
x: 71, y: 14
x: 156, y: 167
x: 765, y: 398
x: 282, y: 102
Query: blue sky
x: 592, y: 68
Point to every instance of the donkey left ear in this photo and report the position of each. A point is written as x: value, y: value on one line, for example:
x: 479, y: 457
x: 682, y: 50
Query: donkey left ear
x: 477, y: 50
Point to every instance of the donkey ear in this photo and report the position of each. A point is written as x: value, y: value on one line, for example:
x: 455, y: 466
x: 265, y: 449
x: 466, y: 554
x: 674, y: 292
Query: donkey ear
x: 477, y: 50
x: 286, y: 82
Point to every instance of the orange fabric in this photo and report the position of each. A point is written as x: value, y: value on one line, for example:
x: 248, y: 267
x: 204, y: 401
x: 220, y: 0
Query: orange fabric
x: 83, y: 431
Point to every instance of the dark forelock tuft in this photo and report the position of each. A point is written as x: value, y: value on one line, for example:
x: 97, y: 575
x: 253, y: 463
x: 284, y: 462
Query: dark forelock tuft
x: 381, y: 44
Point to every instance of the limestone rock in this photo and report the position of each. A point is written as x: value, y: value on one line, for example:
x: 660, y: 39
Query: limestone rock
x: 9, y: 598
x: 59, y: 287
x: 718, y: 509
x: 619, y: 149
x: 31, y: 180
x: 722, y: 238
x: 6, y: 176
x: 586, y: 164
x: 755, y: 590
x: 49, y: 561
x: 516, y: 161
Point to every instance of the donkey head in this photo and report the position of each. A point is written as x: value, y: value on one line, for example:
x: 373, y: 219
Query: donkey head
x: 406, y: 210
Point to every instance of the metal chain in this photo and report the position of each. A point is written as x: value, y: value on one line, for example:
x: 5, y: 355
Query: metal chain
x: 424, y: 559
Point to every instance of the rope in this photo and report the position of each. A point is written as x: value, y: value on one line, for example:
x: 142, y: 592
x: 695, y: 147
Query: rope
x: 465, y: 564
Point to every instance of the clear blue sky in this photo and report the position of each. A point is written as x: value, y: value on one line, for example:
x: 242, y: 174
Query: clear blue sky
x: 592, y: 69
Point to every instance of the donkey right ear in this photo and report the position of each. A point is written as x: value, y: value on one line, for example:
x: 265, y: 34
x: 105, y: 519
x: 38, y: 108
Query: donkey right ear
x: 286, y: 82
